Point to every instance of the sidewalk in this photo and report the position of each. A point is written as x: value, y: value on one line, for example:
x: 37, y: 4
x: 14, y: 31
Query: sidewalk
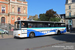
x: 5, y: 36
x: 67, y: 32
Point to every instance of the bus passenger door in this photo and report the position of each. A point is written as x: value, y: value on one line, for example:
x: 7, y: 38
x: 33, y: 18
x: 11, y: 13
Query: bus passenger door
x: 24, y: 32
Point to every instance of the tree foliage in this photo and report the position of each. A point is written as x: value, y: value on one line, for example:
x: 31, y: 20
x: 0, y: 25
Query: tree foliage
x: 50, y: 15
x: 43, y: 17
x: 55, y: 19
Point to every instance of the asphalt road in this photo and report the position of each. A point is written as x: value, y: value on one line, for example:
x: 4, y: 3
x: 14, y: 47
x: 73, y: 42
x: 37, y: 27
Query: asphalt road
x: 53, y: 42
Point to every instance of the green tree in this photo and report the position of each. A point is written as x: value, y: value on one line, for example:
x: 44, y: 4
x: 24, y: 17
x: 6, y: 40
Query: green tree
x: 43, y: 17
x: 50, y: 15
x: 55, y: 19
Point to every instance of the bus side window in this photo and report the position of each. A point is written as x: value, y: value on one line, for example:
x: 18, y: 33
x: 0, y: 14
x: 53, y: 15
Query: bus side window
x: 29, y: 26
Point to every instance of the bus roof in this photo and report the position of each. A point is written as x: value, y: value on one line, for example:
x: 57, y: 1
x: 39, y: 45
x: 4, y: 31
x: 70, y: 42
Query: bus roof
x: 41, y: 21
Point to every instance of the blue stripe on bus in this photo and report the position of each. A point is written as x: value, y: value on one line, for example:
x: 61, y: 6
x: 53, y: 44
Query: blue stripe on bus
x: 63, y: 31
x: 39, y: 33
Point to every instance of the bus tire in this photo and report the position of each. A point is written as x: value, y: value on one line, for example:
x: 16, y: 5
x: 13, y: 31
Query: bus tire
x: 58, y: 33
x: 32, y: 34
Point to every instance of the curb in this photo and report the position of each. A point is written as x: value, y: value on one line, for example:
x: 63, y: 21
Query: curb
x: 67, y: 32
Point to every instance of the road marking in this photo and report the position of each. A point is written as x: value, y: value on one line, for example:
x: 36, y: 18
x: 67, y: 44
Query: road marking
x: 45, y: 46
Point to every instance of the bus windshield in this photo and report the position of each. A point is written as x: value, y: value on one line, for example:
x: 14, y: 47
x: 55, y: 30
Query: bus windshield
x: 17, y: 25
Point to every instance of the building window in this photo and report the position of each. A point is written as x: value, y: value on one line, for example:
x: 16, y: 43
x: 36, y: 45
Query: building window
x: 69, y: 7
x: 3, y: 20
x: 69, y: 14
x: 12, y: 9
x: 69, y: 1
x: 12, y: 18
x: 62, y: 21
x: 62, y: 17
x: 18, y: 18
x: 70, y: 22
x: 6, y: 0
x: 18, y: 10
x: 24, y: 18
x: 3, y: 9
x: 24, y: 10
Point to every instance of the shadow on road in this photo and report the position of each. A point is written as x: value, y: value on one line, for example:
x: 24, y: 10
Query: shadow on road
x: 72, y: 31
x: 34, y: 37
x: 65, y: 37
x: 21, y: 38
x: 62, y: 37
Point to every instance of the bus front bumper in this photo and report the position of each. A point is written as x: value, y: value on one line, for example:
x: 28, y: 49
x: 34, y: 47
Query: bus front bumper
x: 20, y: 35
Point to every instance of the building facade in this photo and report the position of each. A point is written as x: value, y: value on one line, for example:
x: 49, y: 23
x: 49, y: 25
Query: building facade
x: 12, y: 10
x: 62, y: 16
x: 70, y: 13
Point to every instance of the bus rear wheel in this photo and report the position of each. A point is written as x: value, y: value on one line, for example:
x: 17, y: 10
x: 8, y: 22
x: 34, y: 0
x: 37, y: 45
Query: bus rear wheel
x: 58, y: 32
x: 32, y: 35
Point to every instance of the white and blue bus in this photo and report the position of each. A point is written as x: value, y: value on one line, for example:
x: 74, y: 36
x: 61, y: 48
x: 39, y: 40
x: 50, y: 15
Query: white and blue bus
x: 37, y: 28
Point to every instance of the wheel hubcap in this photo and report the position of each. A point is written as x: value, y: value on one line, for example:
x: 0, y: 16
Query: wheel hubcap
x: 32, y: 35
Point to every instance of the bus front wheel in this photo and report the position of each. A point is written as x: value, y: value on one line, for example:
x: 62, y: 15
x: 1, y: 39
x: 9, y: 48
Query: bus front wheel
x: 32, y: 35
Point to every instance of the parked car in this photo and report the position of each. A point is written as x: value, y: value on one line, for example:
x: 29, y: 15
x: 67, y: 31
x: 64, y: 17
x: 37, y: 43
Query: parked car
x: 3, y: 31
x: 6, y: 32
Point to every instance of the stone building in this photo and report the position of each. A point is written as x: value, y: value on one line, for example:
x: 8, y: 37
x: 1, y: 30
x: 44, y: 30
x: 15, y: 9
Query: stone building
x: 62, y: 16
x: 12, y: 10
x: 70, y: 13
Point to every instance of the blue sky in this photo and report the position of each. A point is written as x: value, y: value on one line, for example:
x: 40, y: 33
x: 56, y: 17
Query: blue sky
x: 41, y: 6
